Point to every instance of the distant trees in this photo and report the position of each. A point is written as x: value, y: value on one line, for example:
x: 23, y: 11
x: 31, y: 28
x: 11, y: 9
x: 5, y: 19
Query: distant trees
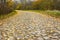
x: 56, y: 4
x: 43, y: 5
x: 7, y: 6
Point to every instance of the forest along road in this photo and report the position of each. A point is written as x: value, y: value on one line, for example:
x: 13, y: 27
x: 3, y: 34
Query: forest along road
x: 30, y: 26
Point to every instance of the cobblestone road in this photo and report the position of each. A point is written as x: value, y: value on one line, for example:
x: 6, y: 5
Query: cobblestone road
x: 30, y: 26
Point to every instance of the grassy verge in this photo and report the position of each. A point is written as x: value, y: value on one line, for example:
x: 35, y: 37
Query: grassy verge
x: 7, y: 15
x: 53, y: 13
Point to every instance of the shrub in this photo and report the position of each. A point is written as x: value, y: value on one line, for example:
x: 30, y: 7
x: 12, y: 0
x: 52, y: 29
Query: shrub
x: 7, y: 7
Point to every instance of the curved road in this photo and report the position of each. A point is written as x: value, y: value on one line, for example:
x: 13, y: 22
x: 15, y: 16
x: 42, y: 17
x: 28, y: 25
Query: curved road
x: 30, y: 26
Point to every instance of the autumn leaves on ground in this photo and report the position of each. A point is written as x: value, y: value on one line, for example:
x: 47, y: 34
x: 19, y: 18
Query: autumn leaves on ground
x: 28, y: 25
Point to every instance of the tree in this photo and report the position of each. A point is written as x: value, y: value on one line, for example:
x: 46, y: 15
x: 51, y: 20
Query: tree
x: 6, y: 6
x: 41, y: 4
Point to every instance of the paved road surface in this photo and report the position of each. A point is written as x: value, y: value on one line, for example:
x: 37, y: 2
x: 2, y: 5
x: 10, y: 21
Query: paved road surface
x: 29, y: 26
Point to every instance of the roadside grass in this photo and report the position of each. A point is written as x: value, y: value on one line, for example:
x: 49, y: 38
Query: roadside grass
x: 53, y: 13
x: 7, y: 15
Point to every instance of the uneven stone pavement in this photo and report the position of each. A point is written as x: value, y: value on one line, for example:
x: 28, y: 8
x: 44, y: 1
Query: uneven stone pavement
x: 30, y: 26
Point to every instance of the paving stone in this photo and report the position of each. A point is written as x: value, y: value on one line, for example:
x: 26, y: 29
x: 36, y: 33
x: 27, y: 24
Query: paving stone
x: 30, y: 26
